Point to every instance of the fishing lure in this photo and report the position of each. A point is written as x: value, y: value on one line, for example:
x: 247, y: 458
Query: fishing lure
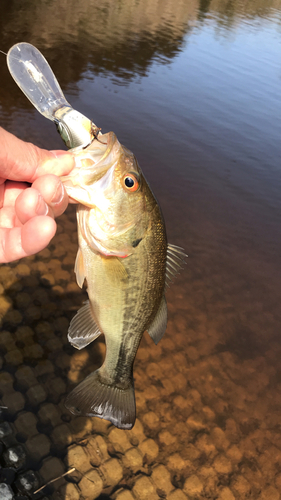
x: 36, y: 79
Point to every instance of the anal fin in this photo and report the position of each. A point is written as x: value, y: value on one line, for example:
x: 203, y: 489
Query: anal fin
x: 158, y: 326
x: 83, y: 328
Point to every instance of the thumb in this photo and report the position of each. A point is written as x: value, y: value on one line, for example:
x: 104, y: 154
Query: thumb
x: 23, y: 161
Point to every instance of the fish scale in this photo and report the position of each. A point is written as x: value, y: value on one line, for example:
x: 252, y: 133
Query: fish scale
x: 135, y: 313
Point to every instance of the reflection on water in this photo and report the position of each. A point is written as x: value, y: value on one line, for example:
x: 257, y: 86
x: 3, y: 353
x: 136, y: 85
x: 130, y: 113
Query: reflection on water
x: 193, y: 89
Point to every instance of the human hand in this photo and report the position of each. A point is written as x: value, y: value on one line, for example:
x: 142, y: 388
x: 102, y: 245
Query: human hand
x: 31, y: 195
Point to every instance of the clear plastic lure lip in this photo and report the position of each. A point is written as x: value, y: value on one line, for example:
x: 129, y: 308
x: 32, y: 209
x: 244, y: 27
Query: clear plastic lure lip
x: 36, y: 79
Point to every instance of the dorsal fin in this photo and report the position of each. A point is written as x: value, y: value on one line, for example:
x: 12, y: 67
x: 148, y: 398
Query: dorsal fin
x: 174, y: 263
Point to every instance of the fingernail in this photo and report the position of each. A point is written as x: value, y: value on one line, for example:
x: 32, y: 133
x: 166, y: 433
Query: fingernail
x: 41, y: 207
x: 58, y: 196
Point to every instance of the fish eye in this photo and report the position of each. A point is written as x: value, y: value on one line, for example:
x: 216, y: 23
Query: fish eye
x: 131, y: 182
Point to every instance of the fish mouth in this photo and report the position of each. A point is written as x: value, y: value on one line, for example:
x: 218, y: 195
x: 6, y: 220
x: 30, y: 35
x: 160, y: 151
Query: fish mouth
x: 91, y: 164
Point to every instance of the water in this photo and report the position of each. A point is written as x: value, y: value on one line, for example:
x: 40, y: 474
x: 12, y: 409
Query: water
x: 193, y: 89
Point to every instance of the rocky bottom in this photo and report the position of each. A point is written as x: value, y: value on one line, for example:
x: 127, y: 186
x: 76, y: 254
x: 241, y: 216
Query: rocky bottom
x: 208, y: 401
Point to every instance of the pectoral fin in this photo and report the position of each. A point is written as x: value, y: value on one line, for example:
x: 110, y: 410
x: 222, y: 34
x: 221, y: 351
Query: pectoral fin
x: 158, y: 326
x: 83, y: 328
x: 115, y: 270
x: 79, y: 268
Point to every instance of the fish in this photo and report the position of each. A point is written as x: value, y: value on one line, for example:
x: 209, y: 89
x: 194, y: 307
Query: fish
x: 127, y: 263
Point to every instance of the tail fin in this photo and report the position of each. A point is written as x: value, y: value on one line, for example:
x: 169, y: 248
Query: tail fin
x: 92, y: 398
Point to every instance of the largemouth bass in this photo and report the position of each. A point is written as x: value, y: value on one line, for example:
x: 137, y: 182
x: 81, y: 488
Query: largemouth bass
x: 124, y: 256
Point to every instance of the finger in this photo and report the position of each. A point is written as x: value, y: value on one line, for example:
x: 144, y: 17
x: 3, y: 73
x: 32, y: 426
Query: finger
x: 8, y: 217
x: 53, y: 192
x: 12, y: 191
x: 23, y: 161
x: 31, y: 203
x: 31, y: 238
